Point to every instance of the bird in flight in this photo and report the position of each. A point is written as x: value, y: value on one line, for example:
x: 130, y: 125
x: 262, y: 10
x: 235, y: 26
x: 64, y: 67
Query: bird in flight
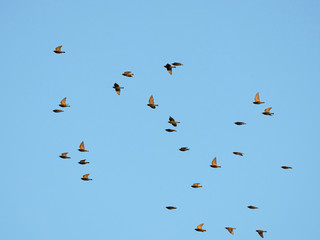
x: 196, y: 185
x: 128, y: 74
x: 286, y: 167
x: 58, y: 50
x: 170, y: 130
x: 267, y: 112
x: 83, y: 162
x: 82, y: 148
x: 151, y: 103
x: 260, y: 232
x: 257, y: 99
x: 238, y: 153
x: 230, y: 229
x: 172, y: 121
x: 252, y: 207
x: 177, y: 64
x: 117, y: 88
x: 57, y: 110
x: 64, y: 155
x: 240, y: 123
x: 199, y: 228
x: 183, y: 149
x: 63, y: 103
x: 85, y: 177
x: 169, y: 68
x: 214, y: 163
x: 171, y: 207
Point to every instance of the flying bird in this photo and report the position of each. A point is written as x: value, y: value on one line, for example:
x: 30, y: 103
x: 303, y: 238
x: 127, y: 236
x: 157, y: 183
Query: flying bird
x: 252, y: 207
x: 240, y: 123
x: 199, y: 228
x: 117, y: 88
x: 286, y: 167
x: 257, y: 99
x: 196, y: 185
x: 64, y: 155
x: 172, y: 121
x: 267, y: 112
x: 83, y: 162
x: 238, y: 153
x: 171, y: 207
x: 58, y: 50
x: 214, y: 163
x: 63, y: 103
x: 85, y: 177
x: 82, y: 148
x: 170, y: 130
x: 151, y: 103
x: 230, y: 229
x: 57, y: 110
x: 183, y: 149
x: 169, y: 68
x: 127, y: 74
x: 260, y: 232
x: 177, y: 64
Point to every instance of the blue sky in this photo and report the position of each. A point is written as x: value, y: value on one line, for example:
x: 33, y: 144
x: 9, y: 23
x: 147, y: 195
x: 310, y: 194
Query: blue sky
x: 230, y: 50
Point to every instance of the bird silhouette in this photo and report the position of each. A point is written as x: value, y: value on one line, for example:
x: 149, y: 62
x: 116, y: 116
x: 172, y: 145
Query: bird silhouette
x: 57, y: 110
x: 58, y: 50
x: 199, y: 228
x: 257, y: 99
x: 214, y: 163
x: 64, y: 155
x: 240, y: 123
x: 260, y: 232
x: 238, y: 153
x: 128, y: 74
x: 63, y: 103
x: 230, y: 229
x: 286, y: 167
x: 252, y: 207
x: 117, y: 88
x: 169, y: 68
x: 85, y: 177
x: 172, y: 121
x: 171, y: 207
x: 183, y: 149
x: 83, y: 162
x: 196, y: 185
x: 82, y: 148
x: 177, y: 64
x: 151, y: 103
x: 267, y: 112
x: 170, y: 130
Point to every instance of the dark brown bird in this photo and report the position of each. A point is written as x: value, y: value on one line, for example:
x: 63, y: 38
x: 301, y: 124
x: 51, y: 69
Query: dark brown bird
x: 117, y: 88
x: 128, y: 74
x: 170, y: 130
x: 57, y: 110
x: 82, y: 148
x: 58, y: 50
x: 199, y: 228
x: 252, y: 207
x: 257, y: 99
x: 63, y: 103
x: 177, y: 64
x: 286, y: 167
x: 85, y: 177
x: 169, y: 68
x: 171, y: 207
x: 267, y: 112
x: 214, y: 163
x: 64, y: 155
x: 172, y: 121
x: 260, y: 232
x: 83, y: 162
x: 183, y: 149
x: 196, y: 185
x: 230, y: 229
x: 238, y: 153
x: 151, y: 103
x: 240, y: 123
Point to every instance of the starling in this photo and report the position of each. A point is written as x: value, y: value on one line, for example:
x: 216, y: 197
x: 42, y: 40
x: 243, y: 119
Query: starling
x: 286, y: 167
x: 85, y: 177
x: 63, y: 103
x: 169, y: 68
x: 57, y: 110
x: 172, y: 121
x: 196, y: 185
x: 240, y: 123
x: 171, y: 207
x: 252, y: 207
x: 58, y: 50
x: 214, y: 163
x: 117, y: 88
x: 151, y: 103
x: 260, y: 232
x: 199, y: 228
x: 267, y: 112
x: 170, y: 130
x: 238, y: 153
x: 83, y: 162
x: 257, y: 99
x: 177, y: 64
x: 64, y: 155
x: 230, y: 229
x: 183, y: 149
x: 81, y: 147
x: 127, y: 74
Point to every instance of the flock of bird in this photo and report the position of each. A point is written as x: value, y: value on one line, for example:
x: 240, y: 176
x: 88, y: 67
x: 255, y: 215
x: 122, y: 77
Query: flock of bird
x: 174, y: 123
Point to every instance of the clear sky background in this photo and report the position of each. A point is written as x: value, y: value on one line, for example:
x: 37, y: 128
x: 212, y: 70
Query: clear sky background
x: 230, y: 49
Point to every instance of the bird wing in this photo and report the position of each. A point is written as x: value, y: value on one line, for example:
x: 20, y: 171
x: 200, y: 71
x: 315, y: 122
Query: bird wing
x: 63, y: 101
x: 171, y: 118
x: 268, y: 109
x: 64, y: 154
x: 86, y: 175
x: 196, y: 184
x: 116, y: 85
x: 81, y: 145
x: 260, y: 233
x: 200, y: 226
x: 257, y: 98
x: 58, y: 48
x: 151, y: 100
x: 214, y: 161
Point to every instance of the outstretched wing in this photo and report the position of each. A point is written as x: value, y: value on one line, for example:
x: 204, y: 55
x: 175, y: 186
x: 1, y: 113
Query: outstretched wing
x: 268, y: 109
x: 200, y: 226
x: 257, y: 98
x: 214, y: 161
x: 151, y: 100
x: 64, y: 154
x: 86, y: 175
x: 63, y: 101
x: 81, y: 145
x: 58, y: 48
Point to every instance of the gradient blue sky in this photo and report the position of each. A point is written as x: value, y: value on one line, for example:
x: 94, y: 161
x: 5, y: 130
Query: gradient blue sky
x: 230, y: 49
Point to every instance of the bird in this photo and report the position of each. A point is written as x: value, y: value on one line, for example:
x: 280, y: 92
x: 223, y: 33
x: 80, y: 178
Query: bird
x: 85, y: 177
x: 57, y: 110
x: 170, y: 130
x: 238, y: 153
x: 81, y: 147
x: 286, y: 167
x: 127, y: 74
x: 151, y: 103
x: 183, y: 149
x: 58, y: 50
x: 172, y: 121
x: 177, y: 64
x: 252, y: 207
x: 230, y: 229
x: 83, y: 162
x: 196, y: 185
x: 171, y: 207
x: 117, y: 88
x: 267, y: 112
x: 64, y: 155
x: 63, y: 103
x: 257, y: 99
x: 199, y: 228
x: 260, y: 232
x: 240, y: 123
x: 214, y: 163
x: 169, y: 68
